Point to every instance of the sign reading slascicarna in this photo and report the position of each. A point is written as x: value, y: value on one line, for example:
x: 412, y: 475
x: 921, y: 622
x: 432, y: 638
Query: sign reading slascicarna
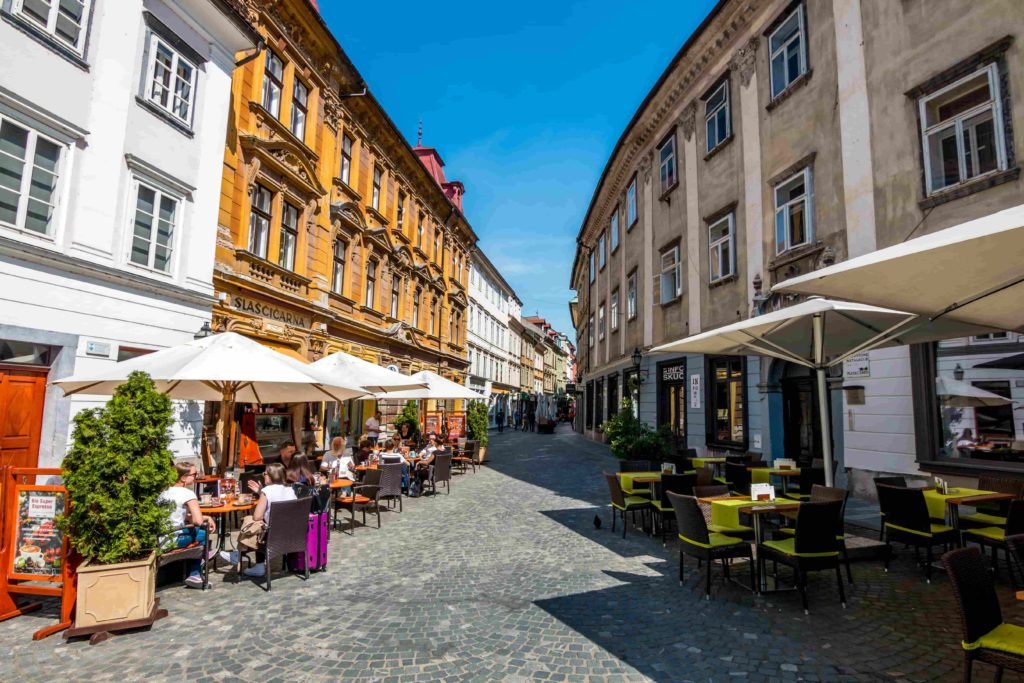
x: 270, y: 312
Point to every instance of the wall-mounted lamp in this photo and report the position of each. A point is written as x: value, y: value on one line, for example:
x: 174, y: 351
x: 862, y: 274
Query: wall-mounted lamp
x: 958, y: 373
x: 204, y: 331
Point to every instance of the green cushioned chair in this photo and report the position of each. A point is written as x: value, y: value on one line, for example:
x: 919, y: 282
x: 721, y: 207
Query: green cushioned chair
x: 995, y: 536
x: 697, y: 541
x: 808, y: 478
x: 814, y: 547
x: 737, y: 529
x: 986, y: 637
x: 907, y: 521
x: 821, y: 493
x: 621, y: 503
x: 888, y: 481
x: 663, y: 511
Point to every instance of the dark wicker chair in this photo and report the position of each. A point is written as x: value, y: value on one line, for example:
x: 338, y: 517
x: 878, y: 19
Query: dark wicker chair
x: 814, y: 546
x: 808, y: 478
x: 638, y: 466
x: 286, y: 532
x: 467, y: 457
x: 985, y: 634
x: 390, y: 484
x: 738, y: 477
x: 697, y: 541
x: 887, y: 481
x: 441, y: 472
x: 907, y: 521
x: 199, y: 551
x: 710, y: 490
x: 993, y: 514
x: 739, y: 530
x: 823, y: 494
x: 623, y: 503
x: 670, y: 483
x: 363, y: 495
x: 705, y: 476
x: 995, y: 536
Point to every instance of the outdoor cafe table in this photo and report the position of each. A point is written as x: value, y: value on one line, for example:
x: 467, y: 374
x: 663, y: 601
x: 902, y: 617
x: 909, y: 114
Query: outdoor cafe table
x: 762, y: 475
x: 629, y: 479
x: 222, y: 511
x: 947, y: 505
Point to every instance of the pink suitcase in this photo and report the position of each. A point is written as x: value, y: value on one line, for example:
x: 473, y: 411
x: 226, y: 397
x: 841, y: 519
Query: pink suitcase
x: 317, y: 536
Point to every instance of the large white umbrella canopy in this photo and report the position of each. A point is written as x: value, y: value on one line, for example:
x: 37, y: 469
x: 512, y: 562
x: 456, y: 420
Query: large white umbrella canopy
x: 354, y: 370
x: 437, y: 388
x: 223, y: 366
x: 817, y: 333
x: 959, y: 394
x: 973, y: 272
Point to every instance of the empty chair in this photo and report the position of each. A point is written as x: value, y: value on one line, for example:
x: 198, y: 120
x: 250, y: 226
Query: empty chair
x: 907, y: 521
x: 813, y: 547
x: 363, y: 496
x: 808, y: 478
x: 738, y: 476
x: 888, y: 481
x: 622, y: 503
x: 820, y: 494
x: 670, y: 483
x: 993, y: 514
x: 986, y: 637
x: 731, y: 525
x: 995, y: 536
x: 697, y: 540
x: 705, y: 476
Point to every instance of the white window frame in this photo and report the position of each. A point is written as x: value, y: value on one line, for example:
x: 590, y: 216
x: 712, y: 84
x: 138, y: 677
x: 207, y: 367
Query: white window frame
x: 378, y: 181
x: 631, y: 296
x: 808, y: 199
x: 590, y: 331
x: 711, y: 115
x: 668, y: 169
x: 396, y: 292
x: 801, y: 35
x: 338, y: 267
x: 991, y: 71
x: 726, y: 267
x: 261, y: 213
x: 631, y: 212
x: 671, y: 269
x: 346, y: 158
x: 298, y: 108
x: 370, y: 295
x: 613, y: 229
x: 613, y: 310
x: 155, y: 42
x: 416, y: 308
x: 18, y: 7
x: 269, y: 81
x: 593, y: 268
x: 289, y: 233
x: 989, y: 338
x: 600, y: 322
x: 160, y: 192
x: 26, y: 180
x: 602, y: 254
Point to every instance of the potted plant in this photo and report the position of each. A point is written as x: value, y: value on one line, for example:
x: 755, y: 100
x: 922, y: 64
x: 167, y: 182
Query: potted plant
x: 118, y: 465
x: 631, y: 439
x: 408, y: 416
x: 477, y: 424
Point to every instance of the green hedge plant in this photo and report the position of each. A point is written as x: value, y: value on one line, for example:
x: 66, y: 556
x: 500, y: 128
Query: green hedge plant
x: 631, y: 439
x: 477, y: 422
x: 118, y: 465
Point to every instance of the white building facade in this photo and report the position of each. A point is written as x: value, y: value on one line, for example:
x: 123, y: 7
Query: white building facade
x: 112, y: 125
x: 493, y: 369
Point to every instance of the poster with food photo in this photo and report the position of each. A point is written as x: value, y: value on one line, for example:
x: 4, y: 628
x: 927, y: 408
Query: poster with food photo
x: 38, y: 548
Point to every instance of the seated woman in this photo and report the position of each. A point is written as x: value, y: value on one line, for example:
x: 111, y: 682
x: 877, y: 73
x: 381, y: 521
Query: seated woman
x: 184, y: 506
x: 427, y: 461
x: 275, y: 489
x: 300, y: 471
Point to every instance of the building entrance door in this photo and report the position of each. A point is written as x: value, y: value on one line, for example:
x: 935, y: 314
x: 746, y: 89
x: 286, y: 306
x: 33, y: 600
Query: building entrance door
x: 802, y: 426
x: 22, y: 394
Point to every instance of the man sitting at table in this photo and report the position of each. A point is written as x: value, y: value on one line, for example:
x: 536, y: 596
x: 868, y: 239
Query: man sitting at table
x: 184, y: 511
x: 339, y: 459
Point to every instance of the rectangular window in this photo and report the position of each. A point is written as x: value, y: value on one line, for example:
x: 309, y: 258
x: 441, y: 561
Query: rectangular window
x: 601, y: 252
x: 593, y: 269
x: 726, y: 415
x: 961, y: 128
x: 721, y: 249
x: 667, y: 163
x: 716, y: 116
x: 991, y: 337
x: 371, y: 283
x: 273, y: 77
x: 29, y: 173
x: 788, y: 51
x: 259, y: 221
x: 613, y: 310
x: 400, y: 213
x: 437, y: 246
x: 346, y: 159
x: 671, y: 275
x: 289, y: 236
x: 375, y: 197
x: 631, y: 296
x: 300, y: 106
x: 64, y: 20
x: 419, y: 231
x: 338, y: 274
x: 600, y: 321
x: 631, y: 204
x: 153, y: 228
x: 793, y: 211
x: 416, y: 309
x: 396, y: 285
x: 171, y: 79
x: 590, y: 332
x: 613, y: 229
x: 435, y: 319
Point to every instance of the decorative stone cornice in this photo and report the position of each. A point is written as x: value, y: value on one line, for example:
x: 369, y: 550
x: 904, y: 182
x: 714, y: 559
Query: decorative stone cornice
x: 688, y: 119
x: 744, y: 61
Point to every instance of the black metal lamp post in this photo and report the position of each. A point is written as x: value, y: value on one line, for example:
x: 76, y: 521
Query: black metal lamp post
x: 204, y: 331
x: 637, y: 359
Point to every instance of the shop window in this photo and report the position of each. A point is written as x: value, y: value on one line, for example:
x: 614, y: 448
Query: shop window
x: 25, y: 353
x: 589, y: 412
x: 727, y: 402
x: 598, y: 403
x: 613, y: 395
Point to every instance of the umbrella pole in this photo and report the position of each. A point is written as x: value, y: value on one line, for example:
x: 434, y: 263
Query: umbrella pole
x: 826, y: 423
x: 227, y: 408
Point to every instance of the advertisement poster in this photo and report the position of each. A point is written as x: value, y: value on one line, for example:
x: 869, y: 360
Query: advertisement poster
x: 432, y: 424
x: 456, y: 425
x: 37, y: 541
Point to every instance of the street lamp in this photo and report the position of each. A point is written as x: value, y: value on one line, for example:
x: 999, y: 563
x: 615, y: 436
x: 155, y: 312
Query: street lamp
x: 204, y: 331
x: 637, y: 359
x: 958, y: 373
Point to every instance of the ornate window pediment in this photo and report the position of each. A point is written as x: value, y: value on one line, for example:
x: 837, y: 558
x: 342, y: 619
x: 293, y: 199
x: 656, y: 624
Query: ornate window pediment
x: 293, y: 161
x: 349, y: 216
x: 459, y: 297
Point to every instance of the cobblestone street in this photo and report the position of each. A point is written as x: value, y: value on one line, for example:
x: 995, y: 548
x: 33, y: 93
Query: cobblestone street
x: 507, y: 579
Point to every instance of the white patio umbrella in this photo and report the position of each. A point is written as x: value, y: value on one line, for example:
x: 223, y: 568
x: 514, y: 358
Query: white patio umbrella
x: 818, y: 334
x: 222, y: 367
x: 437, y: 387
x: 972, y: 272
x: 957, y: 394
x: 370, y: 376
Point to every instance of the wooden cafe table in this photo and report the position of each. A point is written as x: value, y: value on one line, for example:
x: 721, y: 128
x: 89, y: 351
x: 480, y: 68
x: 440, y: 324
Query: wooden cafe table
x: 947, y: 505
x: 763, y: 475
x: 221, y: 511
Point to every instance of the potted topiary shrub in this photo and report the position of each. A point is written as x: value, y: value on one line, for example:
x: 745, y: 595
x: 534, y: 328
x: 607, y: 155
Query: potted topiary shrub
x: 118, y: 465
x: 476, y: 424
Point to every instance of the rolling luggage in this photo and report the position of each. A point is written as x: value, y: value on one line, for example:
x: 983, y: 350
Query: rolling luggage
x: 317, y: 536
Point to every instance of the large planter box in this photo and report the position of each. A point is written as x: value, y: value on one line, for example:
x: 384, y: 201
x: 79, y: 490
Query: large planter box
x: 482, y: 454
x: 112, y: 593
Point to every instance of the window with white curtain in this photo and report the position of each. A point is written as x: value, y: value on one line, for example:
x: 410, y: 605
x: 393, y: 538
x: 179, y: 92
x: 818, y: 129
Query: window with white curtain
x: 793, y: 211
x: 721, y: 249
x: 170, y: 79
x: 671, y: 275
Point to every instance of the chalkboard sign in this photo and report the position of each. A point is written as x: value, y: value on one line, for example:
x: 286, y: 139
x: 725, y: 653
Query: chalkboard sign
x: 456, y: 425
x: 38, y: 543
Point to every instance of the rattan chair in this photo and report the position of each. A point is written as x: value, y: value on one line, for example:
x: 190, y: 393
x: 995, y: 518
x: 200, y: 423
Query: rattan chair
x: 738, y: 476
x: 907, y: 521
x: 441, y: 472
x: 823, y: 494
x: 391, y: 484
x: 662, y: 507
x: 813, y: 547
x: 888, y: 481
x: 467, y: 456
x: 697, y: 540
x: 631, y: 489
x: 286, y: 533
x: 363, y: 496
x: 738, y: 530
x: 995, y: 536
x: 807, y: 479
x: 993, y: 514
x: 986, y: 637
x: 189, y: 554
x: 705, y: 476
x: 621, y: 503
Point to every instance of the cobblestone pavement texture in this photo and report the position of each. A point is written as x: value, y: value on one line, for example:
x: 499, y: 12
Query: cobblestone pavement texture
x: 507, y: 579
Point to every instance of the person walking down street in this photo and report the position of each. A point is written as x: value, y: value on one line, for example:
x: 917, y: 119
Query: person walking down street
x: 515, y: 420
x: 533, y: 420
x: 501, y: 421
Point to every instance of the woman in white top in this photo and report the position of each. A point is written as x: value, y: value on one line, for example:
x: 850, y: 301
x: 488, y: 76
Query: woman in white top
x: 274, y: 490
x: 184, y: 512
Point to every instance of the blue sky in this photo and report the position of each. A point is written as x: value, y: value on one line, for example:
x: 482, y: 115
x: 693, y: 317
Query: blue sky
x: 524, y: 101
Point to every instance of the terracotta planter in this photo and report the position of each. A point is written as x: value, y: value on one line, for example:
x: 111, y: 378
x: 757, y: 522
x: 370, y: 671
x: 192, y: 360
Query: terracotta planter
x: 482, y: 454
x: 112, y: 593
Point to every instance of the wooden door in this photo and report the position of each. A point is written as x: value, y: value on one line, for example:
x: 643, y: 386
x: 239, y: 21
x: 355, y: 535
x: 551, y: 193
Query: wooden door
x: 22, y: 394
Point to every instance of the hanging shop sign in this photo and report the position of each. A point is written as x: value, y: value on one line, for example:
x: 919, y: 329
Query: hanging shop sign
x: 241, y: 303
x: 695, y: 391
